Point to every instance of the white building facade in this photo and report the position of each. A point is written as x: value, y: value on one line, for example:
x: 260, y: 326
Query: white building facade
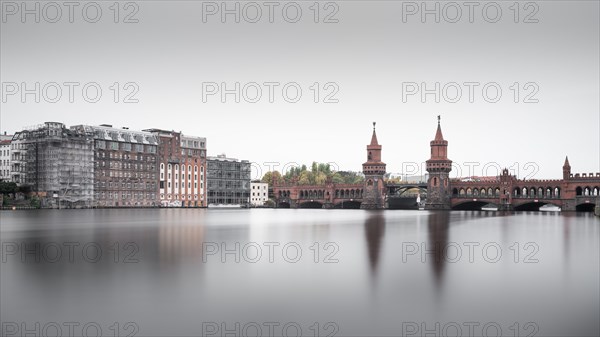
x: 259, y: 193
x: 5, y: 160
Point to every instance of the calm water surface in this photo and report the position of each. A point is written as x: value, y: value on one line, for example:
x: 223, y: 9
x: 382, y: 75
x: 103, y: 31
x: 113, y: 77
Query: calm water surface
x: 177, y: 272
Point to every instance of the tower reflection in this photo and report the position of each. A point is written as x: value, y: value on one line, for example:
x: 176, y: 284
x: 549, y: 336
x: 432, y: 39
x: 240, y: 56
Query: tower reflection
x: 437, y: 225
x: 374, y: 231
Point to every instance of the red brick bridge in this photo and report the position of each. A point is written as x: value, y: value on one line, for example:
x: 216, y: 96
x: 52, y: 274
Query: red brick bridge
x: 574, y: 192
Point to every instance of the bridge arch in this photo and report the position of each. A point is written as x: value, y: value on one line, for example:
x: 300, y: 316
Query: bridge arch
x: 310, y: 204
x: 533, y: 206
x: 516, y: 192
x: 348, y: 204
x: 471, y: 205
x: 585, y: 207
x: 283, y: 204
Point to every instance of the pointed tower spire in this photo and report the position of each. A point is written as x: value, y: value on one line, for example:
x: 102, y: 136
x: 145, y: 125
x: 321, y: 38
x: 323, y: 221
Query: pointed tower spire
x: 374, y: 137
x: 438, y: 134
x: 566, y: 169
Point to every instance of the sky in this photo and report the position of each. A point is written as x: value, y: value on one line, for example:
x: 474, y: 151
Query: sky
x: 516, y: 86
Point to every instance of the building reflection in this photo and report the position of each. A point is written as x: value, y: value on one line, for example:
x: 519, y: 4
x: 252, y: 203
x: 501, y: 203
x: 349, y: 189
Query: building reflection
x: 437, y: 225
x: 374, y: 231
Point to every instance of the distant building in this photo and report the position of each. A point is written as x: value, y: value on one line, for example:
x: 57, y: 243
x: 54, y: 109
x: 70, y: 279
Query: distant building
x: 57, y: 163
x: 228, y: 181
x: 182, y: 167
x: 5, y: 159
x: 4, y: 136
x: 124, y: 166
x: 259, y: 193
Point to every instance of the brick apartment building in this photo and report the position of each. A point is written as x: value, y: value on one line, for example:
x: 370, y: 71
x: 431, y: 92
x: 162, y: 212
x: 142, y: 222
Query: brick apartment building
x: 182, y: 169
x: 125, y: 166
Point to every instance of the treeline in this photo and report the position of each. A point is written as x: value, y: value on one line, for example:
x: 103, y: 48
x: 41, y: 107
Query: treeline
x: 8, y: 187
x: 318, y: 174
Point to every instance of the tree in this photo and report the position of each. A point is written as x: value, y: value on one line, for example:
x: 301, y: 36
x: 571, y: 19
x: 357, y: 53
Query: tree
x: 318, y: 174
x: 7, y: 187
x: 270, y: 176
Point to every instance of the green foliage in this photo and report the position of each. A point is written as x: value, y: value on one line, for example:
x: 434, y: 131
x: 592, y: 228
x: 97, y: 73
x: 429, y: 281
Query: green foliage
x: 319, y: 174
x: 35, y: 202
x: 7, y: 187
x: 269, y: 176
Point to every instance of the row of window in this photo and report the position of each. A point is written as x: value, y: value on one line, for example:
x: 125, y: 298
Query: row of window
x: 189, y: 167
x: 100, y: 144
x: 176, y: 196
x: 124, y: 185
x: 124, y: 156
x: 122, y: 165
x: 189, y: 185
x: 126, y: 174
x: 125, y: 195
x: 189, y: 176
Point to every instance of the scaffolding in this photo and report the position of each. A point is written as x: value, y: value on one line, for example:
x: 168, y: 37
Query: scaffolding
x: 57, y: 163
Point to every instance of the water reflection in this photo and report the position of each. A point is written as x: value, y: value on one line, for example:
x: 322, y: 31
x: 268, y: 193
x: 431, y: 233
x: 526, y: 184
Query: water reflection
x: 171, y: 290
x: 437, y: 224
x: 374, y: 232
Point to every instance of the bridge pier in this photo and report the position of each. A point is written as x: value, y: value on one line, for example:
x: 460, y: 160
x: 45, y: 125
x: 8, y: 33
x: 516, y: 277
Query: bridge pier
x: 505, y: 207
x: 568, y: 205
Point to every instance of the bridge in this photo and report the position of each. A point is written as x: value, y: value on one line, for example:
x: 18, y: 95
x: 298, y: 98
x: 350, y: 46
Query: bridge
x: 574, y: 192
x: 579, y: 192
x: 329, y: 195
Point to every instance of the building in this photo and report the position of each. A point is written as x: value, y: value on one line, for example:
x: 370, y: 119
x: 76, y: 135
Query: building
x: 228, y: 181
x: 56, y: 163
x: 5, y: 159
x: 124, y: 166
x: 4, y: 136
x: 182, y: 167
x: 259, y: 193
x: 438, y: 166
x: 374, y: 170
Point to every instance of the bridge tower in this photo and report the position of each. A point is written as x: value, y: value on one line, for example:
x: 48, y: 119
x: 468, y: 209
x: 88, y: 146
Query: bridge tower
x: 373, y: 169
x: 438, y: 167
x: 566, y: 169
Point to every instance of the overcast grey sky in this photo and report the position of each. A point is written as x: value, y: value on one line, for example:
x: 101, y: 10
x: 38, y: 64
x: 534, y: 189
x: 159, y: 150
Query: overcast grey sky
x: 372, y: 52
